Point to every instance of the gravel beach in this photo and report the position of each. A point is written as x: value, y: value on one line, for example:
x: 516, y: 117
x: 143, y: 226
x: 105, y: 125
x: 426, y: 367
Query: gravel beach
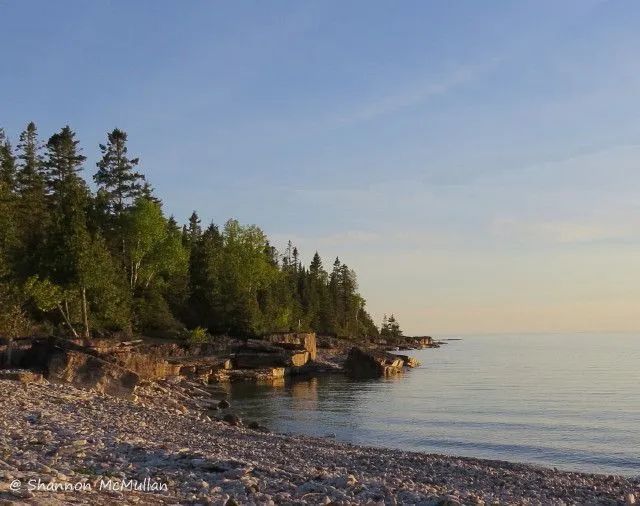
x: 62, y: 445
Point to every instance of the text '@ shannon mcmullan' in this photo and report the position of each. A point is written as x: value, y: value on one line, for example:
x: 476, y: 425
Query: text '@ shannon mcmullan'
x: 116, y: 485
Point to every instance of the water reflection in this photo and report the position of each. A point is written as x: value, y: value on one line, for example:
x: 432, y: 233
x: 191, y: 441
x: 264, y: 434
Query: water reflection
x: 567, y: 401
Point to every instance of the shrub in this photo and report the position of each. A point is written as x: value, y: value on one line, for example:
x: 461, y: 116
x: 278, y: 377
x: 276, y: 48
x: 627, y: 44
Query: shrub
x: 198, y: 335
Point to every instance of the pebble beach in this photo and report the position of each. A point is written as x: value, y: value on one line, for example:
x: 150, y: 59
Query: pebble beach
x: 63, y: 445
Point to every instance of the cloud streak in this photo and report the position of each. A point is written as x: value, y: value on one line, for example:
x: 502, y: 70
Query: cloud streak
x: 415, y: 95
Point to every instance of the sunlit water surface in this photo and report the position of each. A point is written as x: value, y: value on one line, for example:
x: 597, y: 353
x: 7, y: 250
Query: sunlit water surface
x: 570, y: 401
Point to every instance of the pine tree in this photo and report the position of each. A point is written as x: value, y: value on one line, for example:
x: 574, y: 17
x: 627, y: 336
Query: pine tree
x: 69, y: 239
x: 8, y: 222
x: 30, y: 177
x: 33, y: 216
x: 7, y: 164
x: 63, y: 166
x: 192, y: 232
x: 384, y: 328
x: 116, y: 175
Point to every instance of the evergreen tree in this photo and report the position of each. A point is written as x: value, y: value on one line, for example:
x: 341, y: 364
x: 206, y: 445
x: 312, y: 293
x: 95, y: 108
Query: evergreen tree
x: 7, y: 164
x: 111, y: 260
x: 116, y: 175
x: 191, y: 232
x: 33, y: 216
x: 8, y: 223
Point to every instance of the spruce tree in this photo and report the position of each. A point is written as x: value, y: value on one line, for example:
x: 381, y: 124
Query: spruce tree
x: 116, y: 175
x: 33, y: 213
x: 7, y: 164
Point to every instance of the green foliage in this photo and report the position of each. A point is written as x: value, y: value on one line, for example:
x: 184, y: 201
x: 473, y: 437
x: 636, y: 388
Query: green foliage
x: 113, y: 260
x: 390, y: 328
x: 46, y: 295
x: 117, y: 179
x: 198, y: 335
x: 14, y: 321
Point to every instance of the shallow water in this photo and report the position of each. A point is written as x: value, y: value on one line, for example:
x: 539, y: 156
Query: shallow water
x: 569, y: 401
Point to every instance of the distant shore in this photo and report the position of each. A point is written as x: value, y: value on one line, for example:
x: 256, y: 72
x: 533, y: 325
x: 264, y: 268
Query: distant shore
x: 158, y: 454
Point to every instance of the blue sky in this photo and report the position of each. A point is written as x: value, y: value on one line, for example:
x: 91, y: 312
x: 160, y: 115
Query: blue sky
x: 475, y: 162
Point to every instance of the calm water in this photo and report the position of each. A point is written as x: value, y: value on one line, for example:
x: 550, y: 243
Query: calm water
x: 570, y: 401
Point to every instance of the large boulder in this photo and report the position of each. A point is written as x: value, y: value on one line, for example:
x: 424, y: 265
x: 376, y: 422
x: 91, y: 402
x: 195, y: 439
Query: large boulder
x: 88, y: 371
x: 372, y: 363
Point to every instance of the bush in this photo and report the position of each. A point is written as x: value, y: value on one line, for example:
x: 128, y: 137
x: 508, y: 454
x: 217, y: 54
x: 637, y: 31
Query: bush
x: 198, y: 335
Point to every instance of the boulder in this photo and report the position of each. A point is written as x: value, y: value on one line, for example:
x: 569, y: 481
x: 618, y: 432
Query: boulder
x: 372, y: 363
x: 298, y: 358
x: 87, y: 371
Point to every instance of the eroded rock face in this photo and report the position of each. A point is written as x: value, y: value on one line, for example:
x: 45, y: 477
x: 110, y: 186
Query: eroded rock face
x: 260, y: 354
x: 147, y: 366
x: 409, y: 361
x: 299, y: 340
x: 87, y: 371
x: 372, y: 364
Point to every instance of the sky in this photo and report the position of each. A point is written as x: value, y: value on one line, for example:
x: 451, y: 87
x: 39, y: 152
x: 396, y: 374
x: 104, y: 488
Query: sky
x: 476, y: 163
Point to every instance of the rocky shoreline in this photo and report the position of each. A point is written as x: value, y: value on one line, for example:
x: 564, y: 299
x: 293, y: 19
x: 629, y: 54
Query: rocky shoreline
x: 144, y: 450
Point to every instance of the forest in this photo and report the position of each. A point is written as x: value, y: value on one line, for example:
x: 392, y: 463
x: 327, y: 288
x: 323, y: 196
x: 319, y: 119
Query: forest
x: 82, y: 259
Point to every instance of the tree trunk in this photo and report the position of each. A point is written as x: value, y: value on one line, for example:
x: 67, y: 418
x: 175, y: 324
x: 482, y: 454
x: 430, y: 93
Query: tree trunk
x: 66, y: 319
x: 85, y: 315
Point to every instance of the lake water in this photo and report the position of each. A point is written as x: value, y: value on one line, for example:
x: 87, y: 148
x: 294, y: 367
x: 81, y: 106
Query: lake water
x: 569, y: 401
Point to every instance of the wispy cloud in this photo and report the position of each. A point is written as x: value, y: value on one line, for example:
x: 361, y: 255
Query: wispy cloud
x: 415, y: 94
x: 564, y: 232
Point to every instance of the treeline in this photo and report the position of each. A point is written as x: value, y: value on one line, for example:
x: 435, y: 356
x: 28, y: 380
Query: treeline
x: 83, y: 262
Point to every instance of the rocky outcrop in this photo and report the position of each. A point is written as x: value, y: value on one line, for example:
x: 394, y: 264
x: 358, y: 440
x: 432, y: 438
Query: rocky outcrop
x: 266, y: 374
x: 12, y: 351
x: 201, y: 368
x: 372, y: 363
x: 87, y: 371
x: 281, y: 358
x: 256, y: 354
x: 291, y: 340
x: 408, y: 361
x: 146, y: 366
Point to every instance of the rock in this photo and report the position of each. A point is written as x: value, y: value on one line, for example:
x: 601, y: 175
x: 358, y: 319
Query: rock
x: 232, y: 419
x: 146, y: 366
x: 630, y: 499
x: 87, y: 371
x: 372, y: 363
x: 304, y: 340
x: 257, y: 360
x: 23, y: 376
x: 224, y: 404
x: 409, y: 361
x: 270, y: 374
